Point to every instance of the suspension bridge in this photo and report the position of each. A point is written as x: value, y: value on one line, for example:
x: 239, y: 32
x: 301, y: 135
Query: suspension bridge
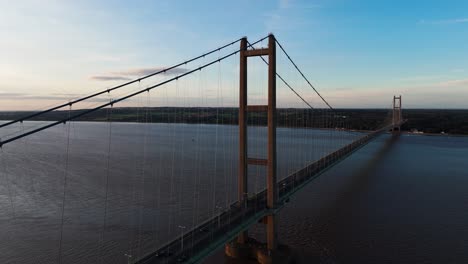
x: 184, y: 161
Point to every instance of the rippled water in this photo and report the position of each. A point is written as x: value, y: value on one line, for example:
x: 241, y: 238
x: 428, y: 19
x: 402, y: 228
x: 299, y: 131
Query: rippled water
x: 96, y: 192
x: 394, y: 201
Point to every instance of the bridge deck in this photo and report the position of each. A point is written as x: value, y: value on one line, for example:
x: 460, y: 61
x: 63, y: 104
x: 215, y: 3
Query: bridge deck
x: 221, y: 229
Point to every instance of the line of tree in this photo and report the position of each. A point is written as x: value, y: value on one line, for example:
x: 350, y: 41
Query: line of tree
x: 424, y: 120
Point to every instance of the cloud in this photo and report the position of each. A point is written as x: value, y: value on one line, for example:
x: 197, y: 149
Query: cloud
x: 434, y: 81
x: 130, y: 74
x: 289, y: 15
x: 284, y: 4
x: 24, y: 96
x: 453, y: 83
x: 102, y: 58
x: 446, y: 21
x: 109, y: 78
x: 147, y: 71
x: 436, y: 86
x: 7, y: 95
x: 421, y: 78
x: 61, y: 97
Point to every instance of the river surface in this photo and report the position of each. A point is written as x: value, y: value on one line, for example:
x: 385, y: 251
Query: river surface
x: 88, y: 192
x: 394, y: 201
x: 96, y: 192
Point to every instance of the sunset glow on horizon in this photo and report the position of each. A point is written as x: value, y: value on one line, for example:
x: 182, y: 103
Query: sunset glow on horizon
x: 358, y: 55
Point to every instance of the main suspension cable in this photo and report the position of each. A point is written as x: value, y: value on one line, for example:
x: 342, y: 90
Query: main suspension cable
x: 305, y: 78
x: 281, y: 78
x: 118, y: 100
x: 24, y: 118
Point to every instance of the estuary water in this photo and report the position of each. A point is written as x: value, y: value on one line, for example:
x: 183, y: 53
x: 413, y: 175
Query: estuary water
x: 86, y: 192
x: 401, y: 200
x: 103, y: 193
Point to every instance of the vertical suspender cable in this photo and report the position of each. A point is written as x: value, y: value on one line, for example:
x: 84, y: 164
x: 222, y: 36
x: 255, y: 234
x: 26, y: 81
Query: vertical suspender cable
x: 171, y: 199
x: 8, y: 185
x: 142, y: 201
x: 65, y: 178
x: 157, y: 176
x: 104, y: 220
x: 215, y: 205
x: 116, y: 87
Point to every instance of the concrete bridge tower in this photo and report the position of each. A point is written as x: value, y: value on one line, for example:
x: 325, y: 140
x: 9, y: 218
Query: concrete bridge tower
x: 243, y: 246
x: 396, y: 119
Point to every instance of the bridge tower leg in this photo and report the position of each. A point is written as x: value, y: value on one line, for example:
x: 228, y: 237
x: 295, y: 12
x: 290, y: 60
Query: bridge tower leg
x: 241, y: 248
x: 272, y: 191
x: 242, y: 178
x: 396, y: 115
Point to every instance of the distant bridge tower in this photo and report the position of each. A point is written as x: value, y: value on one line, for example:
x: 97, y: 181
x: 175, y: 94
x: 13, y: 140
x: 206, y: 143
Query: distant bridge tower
x: 396, y: 114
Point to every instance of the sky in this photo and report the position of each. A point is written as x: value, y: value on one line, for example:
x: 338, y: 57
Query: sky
x: 356, y: 53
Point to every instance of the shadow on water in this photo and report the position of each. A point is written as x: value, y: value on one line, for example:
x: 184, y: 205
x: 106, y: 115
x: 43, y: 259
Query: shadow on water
x: 309, y: 225
x: 361, y: 177
x: 362, y: 174
x: 346, y: 206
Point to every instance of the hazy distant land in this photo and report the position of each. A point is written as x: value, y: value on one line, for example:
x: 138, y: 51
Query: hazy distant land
x: 433, y: 121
